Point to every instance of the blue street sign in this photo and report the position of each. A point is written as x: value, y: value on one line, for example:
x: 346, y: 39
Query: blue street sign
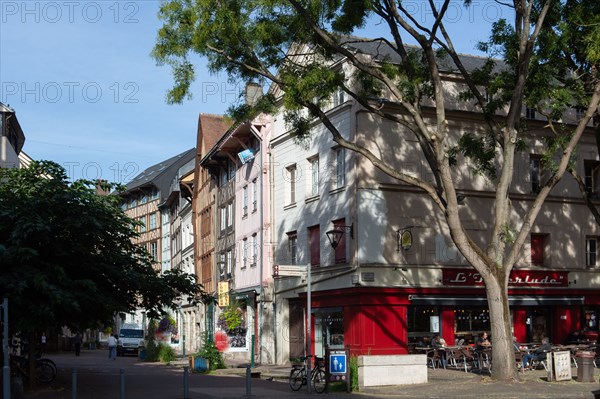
x: 337, y: 363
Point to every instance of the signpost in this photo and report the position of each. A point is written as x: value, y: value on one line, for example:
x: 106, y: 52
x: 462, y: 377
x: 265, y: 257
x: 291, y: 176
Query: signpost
x: 289, y: 270
x: 338, y: 369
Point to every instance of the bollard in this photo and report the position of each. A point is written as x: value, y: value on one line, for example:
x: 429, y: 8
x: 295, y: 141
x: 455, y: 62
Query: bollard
x: 186, y: 387
x: 122, y: 393
x: 248, y: 376
x: 74, y: 384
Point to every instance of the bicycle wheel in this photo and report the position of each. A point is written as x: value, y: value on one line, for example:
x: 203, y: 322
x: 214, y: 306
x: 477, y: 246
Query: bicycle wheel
x: 319, y: 381
x: 296, y: 377
x: 50, y: 363
x: 44, y: 372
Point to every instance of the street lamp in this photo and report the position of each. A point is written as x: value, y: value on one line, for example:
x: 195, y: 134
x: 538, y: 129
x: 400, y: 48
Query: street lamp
x: 335, y: 236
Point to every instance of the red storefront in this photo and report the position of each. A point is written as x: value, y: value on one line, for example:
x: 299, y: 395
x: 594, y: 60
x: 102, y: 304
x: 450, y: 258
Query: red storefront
x: 378, y: 320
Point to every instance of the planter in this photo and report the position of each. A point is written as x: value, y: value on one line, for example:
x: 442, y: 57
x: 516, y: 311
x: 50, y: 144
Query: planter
x: 199, y: 364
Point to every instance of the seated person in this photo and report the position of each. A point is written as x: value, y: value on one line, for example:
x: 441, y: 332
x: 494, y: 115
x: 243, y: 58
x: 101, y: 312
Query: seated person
x: 440, y: 343
x: 482, y: 342
x: 538, y: 354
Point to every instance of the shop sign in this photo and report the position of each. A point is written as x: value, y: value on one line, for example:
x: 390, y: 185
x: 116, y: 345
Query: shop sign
x: 223, y: 293
x: 518, y: 278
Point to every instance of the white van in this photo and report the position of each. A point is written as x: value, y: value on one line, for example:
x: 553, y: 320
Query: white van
x: 131, y: 339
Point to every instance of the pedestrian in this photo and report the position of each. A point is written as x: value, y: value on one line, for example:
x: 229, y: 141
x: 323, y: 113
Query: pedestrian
x: 112, y: 347
x: 43, y: 343
x: 77, y: 339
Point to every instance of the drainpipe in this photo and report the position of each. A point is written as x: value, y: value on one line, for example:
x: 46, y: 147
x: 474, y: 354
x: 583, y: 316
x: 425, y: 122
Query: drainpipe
x: 272, y: 239
x: 262, y: 258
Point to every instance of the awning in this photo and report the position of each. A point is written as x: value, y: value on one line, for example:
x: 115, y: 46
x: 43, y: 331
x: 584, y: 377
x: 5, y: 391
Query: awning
x: 515, y: 300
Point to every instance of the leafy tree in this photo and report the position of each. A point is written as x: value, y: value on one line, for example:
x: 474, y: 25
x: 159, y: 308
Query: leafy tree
x: 293, y: 44
x: 67, y: 255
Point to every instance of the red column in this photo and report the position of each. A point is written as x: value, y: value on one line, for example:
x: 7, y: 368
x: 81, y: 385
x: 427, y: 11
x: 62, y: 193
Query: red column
x: 448, y: 325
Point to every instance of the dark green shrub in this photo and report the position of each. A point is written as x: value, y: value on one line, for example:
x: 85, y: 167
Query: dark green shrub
x: 354, y: 373
x: 210, y: 352
x: 151, y: 347
x: 166, y: 354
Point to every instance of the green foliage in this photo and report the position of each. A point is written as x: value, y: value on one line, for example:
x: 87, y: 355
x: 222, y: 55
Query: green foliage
x: 231, y: 317
x: 151, y: 346
x: 353, y: 373
x: 166, y: 354
x: 64, y: 247
x: 210, y: 352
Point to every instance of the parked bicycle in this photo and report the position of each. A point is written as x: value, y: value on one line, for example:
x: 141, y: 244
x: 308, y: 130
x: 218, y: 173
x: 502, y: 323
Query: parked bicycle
x: 317, y: 375
x: 45, y: 369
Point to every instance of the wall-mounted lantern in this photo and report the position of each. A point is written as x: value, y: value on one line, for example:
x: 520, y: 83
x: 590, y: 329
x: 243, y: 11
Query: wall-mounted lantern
x: 335, y: 236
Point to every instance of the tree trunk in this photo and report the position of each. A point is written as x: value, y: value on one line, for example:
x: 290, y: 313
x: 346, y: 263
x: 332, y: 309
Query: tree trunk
x: 503, y: 354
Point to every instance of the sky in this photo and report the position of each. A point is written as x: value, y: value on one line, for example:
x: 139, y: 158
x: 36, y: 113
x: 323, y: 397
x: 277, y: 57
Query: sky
x: 89, y: 96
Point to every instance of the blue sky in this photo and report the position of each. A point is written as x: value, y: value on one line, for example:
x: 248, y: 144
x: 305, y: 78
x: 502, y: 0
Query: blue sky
x: 89, y: 96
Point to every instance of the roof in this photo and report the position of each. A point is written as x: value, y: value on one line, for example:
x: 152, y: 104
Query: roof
x: 18, y: 139
x: 161, y: 175
x: 381, y: 51
x: 210, y: 129
x: 224, y: 145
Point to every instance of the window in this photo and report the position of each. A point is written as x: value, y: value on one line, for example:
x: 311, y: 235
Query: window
x: 154, y: 250
x: 579, y: 113
x: 340, y: 168
x: 222, y: 266
x: 143, y: 199
x: 313, y: 181
x: 231, y: 171
x: 229, y: 263
x: 535, y: 163
x: 314, y: 243
x: 591, y: 250
x: 230, y: 217
x: 133, y: 203
x: 223, y: 178
x: 340, y: 250
x: 254, y: 195
x: 339, y: 97
x: 245, y: 208
x: 153, y: 224
x: 254, y: 250
x: 292, y: 247
x: 154, y: 194
x: 142, y: 224
x: 537, y: 249
x: 529, y: 113
x: 591, y: 178
x: 244, y: 252
x: 290, y: 182
x: 223, y: 221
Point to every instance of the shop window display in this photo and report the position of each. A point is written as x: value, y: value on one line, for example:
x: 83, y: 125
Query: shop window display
x: 423, y: 323
x: 469, y: 323
x: 232, y: 321
x: 329, y: 330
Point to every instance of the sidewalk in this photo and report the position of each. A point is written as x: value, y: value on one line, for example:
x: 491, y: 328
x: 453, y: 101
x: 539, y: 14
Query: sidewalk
x: 457, y: 384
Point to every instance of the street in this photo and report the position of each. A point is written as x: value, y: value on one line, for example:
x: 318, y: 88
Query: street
x: 98, y: 377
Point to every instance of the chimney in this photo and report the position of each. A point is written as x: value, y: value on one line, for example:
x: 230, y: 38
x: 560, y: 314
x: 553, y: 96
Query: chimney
x: 253, y: 93
x: 102, y: 187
